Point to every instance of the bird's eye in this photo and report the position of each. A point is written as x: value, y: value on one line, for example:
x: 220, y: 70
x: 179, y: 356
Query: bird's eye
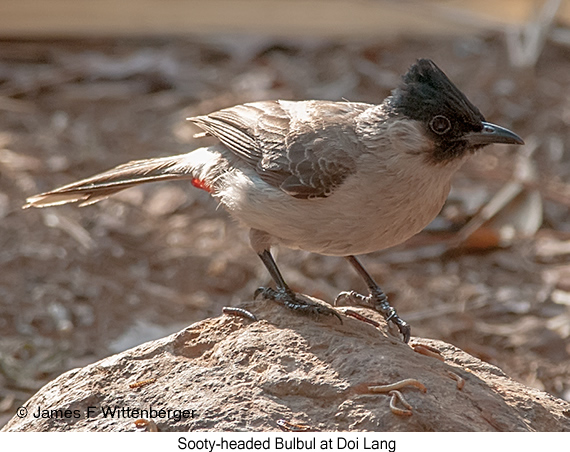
x: 440, y: 124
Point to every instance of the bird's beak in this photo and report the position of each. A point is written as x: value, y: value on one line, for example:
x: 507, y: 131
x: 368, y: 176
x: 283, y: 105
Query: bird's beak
x: 492, y: 133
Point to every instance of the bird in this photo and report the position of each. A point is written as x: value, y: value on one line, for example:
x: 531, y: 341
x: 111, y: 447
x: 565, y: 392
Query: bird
x: 336, y: 178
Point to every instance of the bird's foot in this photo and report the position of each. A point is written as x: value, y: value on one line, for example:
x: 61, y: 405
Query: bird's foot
x: 288, y: 299
x: 378, y: 301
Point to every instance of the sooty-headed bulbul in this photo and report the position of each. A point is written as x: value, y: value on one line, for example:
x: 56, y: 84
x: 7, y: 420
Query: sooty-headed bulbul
x: 334, y: 178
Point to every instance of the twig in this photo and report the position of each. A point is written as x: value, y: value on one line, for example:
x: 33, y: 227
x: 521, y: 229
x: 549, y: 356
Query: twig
x: 458, y: 378
x: 427, y: 351
x: 141, y: 383
x: 239, y: 312
x: 149, y: 426
x: 287, y: 426
x: 398, y: 385
x: 397, y: 395
x: 356, y: 315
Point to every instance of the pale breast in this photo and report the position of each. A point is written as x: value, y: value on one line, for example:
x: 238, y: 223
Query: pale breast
x: 359, y: 218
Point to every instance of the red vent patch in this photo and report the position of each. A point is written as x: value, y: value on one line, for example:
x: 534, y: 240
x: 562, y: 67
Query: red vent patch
x: 202, y: 185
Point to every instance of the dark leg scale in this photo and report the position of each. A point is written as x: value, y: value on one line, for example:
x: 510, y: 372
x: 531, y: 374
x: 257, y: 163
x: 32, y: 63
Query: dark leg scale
x: 376, y: 300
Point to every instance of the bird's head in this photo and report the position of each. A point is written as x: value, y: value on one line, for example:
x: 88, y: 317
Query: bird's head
x: 451, y: 122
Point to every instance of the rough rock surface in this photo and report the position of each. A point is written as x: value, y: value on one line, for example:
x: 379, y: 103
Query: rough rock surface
x: 233, y: 374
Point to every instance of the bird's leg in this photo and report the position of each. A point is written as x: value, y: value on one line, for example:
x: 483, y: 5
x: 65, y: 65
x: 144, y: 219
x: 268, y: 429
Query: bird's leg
x: 284, y: 295
x: 376, y: 299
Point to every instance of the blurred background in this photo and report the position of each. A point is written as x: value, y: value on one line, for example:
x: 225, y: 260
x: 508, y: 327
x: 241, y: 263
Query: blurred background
x: 87, y: 85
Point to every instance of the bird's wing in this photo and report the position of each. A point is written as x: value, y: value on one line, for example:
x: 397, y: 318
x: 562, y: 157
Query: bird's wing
x: 306, y: 148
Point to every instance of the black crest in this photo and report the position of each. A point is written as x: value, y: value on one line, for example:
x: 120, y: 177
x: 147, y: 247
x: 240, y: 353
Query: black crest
x: 427, y: 92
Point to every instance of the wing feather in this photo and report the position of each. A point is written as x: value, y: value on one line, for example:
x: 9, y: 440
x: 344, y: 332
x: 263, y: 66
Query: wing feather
x: 307, y: 149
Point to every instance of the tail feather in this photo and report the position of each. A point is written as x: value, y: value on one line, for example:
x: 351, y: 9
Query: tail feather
x: 101, y: 186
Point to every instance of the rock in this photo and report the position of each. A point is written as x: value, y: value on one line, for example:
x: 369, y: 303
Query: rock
x: 233, y: 374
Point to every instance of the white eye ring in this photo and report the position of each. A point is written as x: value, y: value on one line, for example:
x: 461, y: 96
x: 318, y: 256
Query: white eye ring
x: 440, y: 124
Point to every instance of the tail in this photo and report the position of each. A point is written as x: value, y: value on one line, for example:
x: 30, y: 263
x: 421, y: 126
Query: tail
x: 98, y: 187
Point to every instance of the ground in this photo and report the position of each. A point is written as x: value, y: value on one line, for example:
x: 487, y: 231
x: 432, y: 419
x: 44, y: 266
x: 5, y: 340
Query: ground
x: 77, y: 285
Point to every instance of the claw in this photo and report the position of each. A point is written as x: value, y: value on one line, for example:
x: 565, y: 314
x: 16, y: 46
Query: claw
x: 404, y: 327
x: 353, y: 297
x: 378, y: 302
